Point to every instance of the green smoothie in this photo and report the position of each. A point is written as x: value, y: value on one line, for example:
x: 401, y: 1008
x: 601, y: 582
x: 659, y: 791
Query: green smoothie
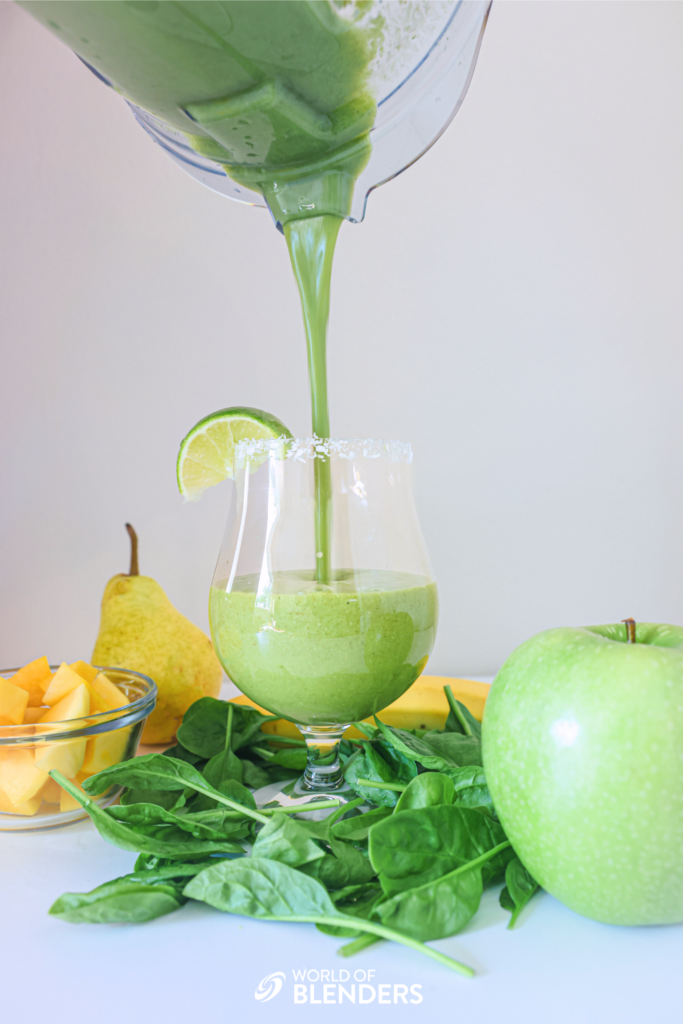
x: 325, y: 655
x: 277, y: 92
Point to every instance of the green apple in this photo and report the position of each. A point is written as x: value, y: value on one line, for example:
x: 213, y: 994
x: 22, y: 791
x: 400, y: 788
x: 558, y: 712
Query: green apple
x: 583, y: 753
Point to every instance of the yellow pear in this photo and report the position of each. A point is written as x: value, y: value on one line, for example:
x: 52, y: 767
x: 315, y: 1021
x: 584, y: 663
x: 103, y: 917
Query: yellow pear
x: 141, y: 630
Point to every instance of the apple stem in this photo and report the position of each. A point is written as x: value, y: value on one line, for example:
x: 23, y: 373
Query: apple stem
x: 630, y: 630
x: 133, y: 571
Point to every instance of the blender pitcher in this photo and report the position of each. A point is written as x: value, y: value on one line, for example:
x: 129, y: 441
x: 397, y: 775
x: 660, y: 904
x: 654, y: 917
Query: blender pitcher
x: 303, y: 107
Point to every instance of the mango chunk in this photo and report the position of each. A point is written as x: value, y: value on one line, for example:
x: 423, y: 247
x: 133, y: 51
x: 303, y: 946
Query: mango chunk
x: 20, y: 778
x: 66, y: 801
x: 29, y: 807
x: 109, y: 693
x: 51, y: 791
x: 34, y: 678
x: 66, y: 755
x: 76, y: 704
x: 106, y: 750
x: 84, y: 670
x: 13, y: 701
x: 62, y: 683
x: 32, y: 715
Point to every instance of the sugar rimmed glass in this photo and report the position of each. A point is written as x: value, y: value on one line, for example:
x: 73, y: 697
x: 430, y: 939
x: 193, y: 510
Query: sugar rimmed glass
x: 323, y: 649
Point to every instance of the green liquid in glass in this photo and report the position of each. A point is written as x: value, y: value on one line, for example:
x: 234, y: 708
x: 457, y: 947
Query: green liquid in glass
x: 325, y: 655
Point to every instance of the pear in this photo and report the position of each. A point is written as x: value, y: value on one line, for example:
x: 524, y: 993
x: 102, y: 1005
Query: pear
x: 141, y: 630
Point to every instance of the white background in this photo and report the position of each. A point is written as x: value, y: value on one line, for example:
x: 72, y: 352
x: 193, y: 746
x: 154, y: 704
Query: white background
x: 512, y: 305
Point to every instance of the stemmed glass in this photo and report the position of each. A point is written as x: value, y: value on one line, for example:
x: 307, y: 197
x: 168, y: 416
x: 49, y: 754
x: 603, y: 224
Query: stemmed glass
x: 327, y: 652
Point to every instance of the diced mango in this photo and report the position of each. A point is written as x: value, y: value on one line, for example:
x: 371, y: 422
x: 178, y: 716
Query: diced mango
x: 51, y: 792
x: 13, y: 701
x: 75, y: 704
x: 32, y: 715
x: 29, y: 807
x: 67, y: 802
x: 20, y: 778
x: 66, y: 755
x: 34, y: 678
x: 105, y: 750
x: 109, y: 692
x: 84, y: 670
x: 62, y: 683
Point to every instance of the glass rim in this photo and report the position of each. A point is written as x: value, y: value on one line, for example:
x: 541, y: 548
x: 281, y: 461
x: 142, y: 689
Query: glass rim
x: 299, y: 449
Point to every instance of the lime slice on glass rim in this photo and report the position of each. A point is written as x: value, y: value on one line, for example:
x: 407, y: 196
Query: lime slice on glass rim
x: 206, y: 453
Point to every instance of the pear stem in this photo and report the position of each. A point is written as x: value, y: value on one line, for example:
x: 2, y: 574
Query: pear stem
x: 630, y: 630
x: 134, y: 570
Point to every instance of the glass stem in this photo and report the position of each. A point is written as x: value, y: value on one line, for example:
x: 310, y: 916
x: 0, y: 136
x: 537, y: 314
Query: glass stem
x: 323, y: 772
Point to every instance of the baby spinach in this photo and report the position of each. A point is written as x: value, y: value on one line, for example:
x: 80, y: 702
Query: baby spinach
x: 272, y: 891
x: 168, y: 842
x: 356, y: 829
x: 368, y: 764
x: 287, y: 841
x: 518, y: 890
x: 356, y: 901
x: 414, y: 748
x: 427, y: 790
x: 154, y: 771
x: 118, y: 902
x: 224, y: 765
x: 412, y: 848
x: 205, y: 724
x: 461, y: 750
x: 437, y: 909
x: 471, y: 789
x: 460, y: 719
x: 206, y: 825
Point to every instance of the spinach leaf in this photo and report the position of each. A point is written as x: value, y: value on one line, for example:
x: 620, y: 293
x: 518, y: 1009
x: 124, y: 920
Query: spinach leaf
x: 356, y: 829
x: 412, y: 848
x: 437, y: 909
x: 427, y: 790
x: 368, y: 764
x: 224, y: 765
x: 181, y: 754
x: 360, y: 902
x: 367, y: 730
x: 272, y: 891
x: 201, y: 826
x: 160, y: 797
x: 344, y: 866
x: 461, y: 750
x: 260, y: 887
x: 293, y: 759
x: 471, y: 789
x: 415, y: 748
x: 205, y: 724
x: 154, y: 771
x: 142, y: 839
x: 253, y: 775
x: 518, y: 890
x: 286, y: 841
x: 460, y: 719
x: 117, y: 902
x: 403, y: 767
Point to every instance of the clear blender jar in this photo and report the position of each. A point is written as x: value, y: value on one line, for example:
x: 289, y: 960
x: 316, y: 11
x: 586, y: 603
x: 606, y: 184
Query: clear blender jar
x: 418, y: 57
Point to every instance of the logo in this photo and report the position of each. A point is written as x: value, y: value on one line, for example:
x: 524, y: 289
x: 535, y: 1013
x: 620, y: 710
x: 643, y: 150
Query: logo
x: 269, y: 987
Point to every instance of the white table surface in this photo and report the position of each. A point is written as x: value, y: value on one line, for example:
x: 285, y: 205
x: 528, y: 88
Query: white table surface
x: 554, y: 968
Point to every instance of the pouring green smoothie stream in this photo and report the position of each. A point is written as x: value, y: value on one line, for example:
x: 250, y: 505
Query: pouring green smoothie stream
x: 274, y: 91
x: 277, y: 93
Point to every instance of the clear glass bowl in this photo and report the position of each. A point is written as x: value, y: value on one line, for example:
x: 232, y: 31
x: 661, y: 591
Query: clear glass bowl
x: 109, y: 738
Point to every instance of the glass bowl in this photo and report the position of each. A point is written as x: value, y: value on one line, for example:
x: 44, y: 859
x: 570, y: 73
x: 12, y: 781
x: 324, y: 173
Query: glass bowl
x: 108, y: 738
